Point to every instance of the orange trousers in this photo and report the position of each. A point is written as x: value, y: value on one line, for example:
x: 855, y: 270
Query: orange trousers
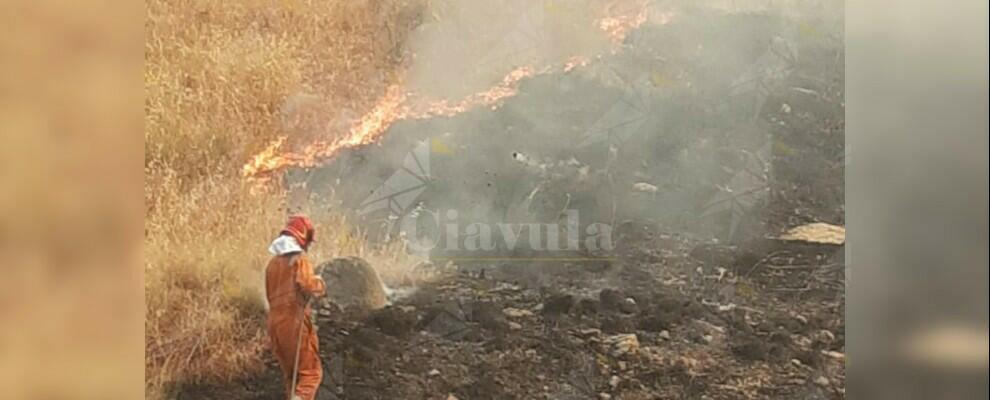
x: 288, y: 280
x: 284, y: 332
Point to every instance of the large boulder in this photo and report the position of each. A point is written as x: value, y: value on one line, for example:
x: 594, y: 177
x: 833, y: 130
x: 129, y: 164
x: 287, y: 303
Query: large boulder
x: 353, y: 284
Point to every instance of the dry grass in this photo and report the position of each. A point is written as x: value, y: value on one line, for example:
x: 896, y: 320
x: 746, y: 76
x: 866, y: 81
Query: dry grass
x: 222, y: 79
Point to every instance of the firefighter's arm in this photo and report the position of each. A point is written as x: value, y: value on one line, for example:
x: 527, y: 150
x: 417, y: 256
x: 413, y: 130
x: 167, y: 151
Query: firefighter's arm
x: 308, y: 281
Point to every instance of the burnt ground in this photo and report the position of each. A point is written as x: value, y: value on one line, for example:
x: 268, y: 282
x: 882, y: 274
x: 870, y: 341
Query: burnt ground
x: 668, y: 317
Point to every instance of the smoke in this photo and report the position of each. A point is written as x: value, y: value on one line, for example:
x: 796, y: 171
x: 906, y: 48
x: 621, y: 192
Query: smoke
x: 465, y: 47
x: 683, y: 114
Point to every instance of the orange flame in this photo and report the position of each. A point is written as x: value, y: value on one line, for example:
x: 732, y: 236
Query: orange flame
x: 393, y: 106
x: 619, y: 26
x: 396, y: 105
x: 575, y: 62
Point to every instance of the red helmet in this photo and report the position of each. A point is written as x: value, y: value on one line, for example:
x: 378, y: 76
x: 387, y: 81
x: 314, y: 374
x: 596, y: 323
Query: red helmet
x: 301, y: 228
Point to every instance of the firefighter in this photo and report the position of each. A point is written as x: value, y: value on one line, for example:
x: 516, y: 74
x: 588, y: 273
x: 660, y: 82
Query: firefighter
x: 289, y: 285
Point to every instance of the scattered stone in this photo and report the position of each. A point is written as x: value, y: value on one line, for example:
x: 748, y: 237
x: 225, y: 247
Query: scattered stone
x: 834, y: 354
x: 623, y: 344
x: 613, y: 300
x: 664, y: 334
x: 822, y: 381
x: 516, y: 312
x: 514, y: 326
x: 604, y: 396
x: 434, y: 372
x: 451, y: 397
x: 614, y: 381
x: 750, y: 349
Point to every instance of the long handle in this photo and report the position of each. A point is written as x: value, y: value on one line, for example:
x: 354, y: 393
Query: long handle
x: 295, y: 367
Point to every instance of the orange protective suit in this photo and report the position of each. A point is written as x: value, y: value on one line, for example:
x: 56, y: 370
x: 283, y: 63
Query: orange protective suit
x: 289, y: 282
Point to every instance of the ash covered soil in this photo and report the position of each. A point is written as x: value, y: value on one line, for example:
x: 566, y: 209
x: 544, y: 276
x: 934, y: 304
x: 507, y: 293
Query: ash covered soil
x: 668, y: 317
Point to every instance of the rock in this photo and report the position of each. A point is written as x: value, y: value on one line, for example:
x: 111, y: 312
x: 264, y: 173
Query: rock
x: 393, y: 321
x: 604, y: 396
x: 834, y: 354
x: 645, y: 187
x: 514, y: 326
x: 622, y: 344
x: 353, y: 284
x: 822, y: 381
x: 451, y: 397
x: 826, y: 336
x: 817, y: 232
x: 434, y: 372
x: 586, y: 307
x: 446, y: 320
x: 614, y: 381
x: 516, y: 312
x: 611, y: 299
x: 664, y: 334
x: 629, y: 306
x: 558, y: 304
x: 589, y: 332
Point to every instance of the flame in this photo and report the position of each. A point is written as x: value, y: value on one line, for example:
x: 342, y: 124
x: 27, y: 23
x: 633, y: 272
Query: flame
x: 617, y: 27
x: 491, y: 97
x: 575, y: 62
x: 365, y: 131
x: 396, y: 104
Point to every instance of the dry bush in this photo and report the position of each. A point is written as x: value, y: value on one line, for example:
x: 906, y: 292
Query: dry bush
x: 222, y: 79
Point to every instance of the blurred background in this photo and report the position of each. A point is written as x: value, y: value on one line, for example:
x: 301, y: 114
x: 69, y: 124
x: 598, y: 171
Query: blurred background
x: 71, y: 111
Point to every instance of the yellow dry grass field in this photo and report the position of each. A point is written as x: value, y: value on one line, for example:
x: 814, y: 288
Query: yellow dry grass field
x: 222, y: 79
